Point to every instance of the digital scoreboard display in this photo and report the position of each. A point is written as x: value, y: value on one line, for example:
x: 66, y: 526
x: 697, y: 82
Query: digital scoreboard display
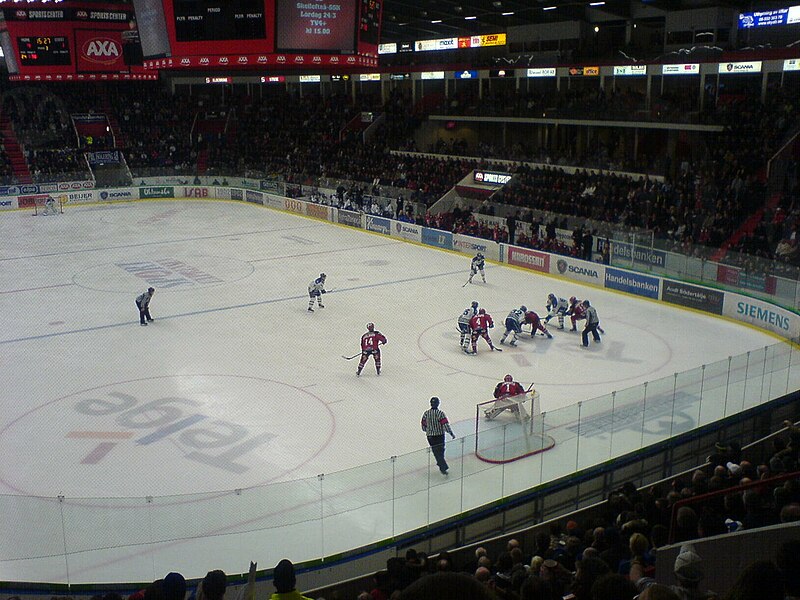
x: 217, y: 20
x: 315, y: 26
x: 369, y: 23
x: 44, y: 51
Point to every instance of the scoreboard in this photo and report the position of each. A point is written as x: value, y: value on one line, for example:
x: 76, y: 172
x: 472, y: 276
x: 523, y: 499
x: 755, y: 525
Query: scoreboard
x: 210, y: 20
x: 89, y: 40
x: 134, y: 39
x: 44, y: 51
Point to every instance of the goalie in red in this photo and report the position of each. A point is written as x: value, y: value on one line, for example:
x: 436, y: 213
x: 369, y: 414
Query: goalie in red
x: 370, y: 346
x: 503, y: 391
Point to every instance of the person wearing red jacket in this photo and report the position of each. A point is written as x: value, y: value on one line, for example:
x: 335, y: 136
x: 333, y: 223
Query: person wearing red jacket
x: 532, y: 319
x: 480, y: 325
x: 507, y: 388
x: 576, y: 312
x: 370, y: 346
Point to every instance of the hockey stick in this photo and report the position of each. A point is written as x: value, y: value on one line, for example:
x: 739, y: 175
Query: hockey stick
x: 351, y: 357
x: 465, y: 285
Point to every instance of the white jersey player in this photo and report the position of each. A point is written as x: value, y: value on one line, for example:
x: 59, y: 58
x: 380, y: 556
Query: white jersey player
x: 556, y: 307
x: 463, y: 325
x: 514, y: 322
x: 477, y: 265
x: 315, y: 290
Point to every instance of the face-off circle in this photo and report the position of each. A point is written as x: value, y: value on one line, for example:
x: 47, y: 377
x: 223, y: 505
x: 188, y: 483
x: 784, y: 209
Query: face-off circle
x: 164, y: 436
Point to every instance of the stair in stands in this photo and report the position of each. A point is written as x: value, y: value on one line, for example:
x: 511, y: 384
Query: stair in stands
x: 202, y: 161
x: 19, y: 165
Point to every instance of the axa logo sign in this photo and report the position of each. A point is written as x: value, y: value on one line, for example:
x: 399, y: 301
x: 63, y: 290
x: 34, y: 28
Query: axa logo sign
x: 334, y: 59
x: 223, y: 60
x: 351, y: 60
x: 316, y: 59
x: 103, y: 51
x: 242, y: 60
x: 185, y: 61
x: 204, y: 60
x: 299, y: 59
x: 262, y: 59
x: 281, y: 58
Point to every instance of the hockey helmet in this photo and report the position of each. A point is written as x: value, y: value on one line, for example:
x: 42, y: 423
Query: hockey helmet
x: 474, y: 304
x: 434, y: 402
x: 370, y: 326
x: 479, y: 255
x: 151, y: 289
x: 508, y: 378
x: 523, y: 308
x: 552, y: 298
x: 322, y: 276
x: 482, y: 311
x: 586, y: 303
x: 573, y: 300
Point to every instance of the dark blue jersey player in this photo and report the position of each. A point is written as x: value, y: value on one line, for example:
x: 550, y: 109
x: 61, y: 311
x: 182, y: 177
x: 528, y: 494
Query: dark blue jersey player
x: 477, y: 265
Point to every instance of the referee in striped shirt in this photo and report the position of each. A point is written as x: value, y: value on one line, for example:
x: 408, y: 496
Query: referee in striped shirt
x: 434, y: 424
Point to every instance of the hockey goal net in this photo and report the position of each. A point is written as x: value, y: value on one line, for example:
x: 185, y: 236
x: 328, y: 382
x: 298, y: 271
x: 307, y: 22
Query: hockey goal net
x: 44, y: 205
x: 510, y: 429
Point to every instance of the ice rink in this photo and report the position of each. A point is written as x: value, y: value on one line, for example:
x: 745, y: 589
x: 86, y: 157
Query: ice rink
x: 236, y: 385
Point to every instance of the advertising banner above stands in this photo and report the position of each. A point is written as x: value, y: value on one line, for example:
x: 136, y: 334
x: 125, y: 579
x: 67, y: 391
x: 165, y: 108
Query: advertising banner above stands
x: 104, y: 157
x: 473, y: 245
x: 692, y: 296
x: 407, y: 231
x: 791, y: 64
x: 581, y: 270
x: 740, y: 67
x: 468, y: 74
x: 684, y: 69
x: 630, y: 70
x: 622, y: 251
x: 528, y: 259
x: 543, y: 72
x: 632, y: 283
x: 761, y: 314
x: 564, y: 236
x: 752, y: 281
x: 44, y: 188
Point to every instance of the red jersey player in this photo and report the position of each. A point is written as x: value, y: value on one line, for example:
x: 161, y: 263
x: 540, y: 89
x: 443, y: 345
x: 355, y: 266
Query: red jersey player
x: 370, y: 346
x: 480, y: 325
x: 505, y: 389
x: 576, y: 312
x: 532, y: 319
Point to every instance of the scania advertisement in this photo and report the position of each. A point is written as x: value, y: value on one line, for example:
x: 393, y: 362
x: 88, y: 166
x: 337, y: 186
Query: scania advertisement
x: 578, y: 269
x: 407, y: 231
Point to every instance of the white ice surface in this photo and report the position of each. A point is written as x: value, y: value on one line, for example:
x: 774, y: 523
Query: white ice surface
x: 236, y: 384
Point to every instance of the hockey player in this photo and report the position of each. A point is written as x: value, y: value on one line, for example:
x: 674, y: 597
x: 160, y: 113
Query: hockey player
x: 477, y: 265
x: 370, y: 346
x: 532, y: 319
x: 463, y: 324
x: 592, y: 325
x: 556, y: 307
x: 480, y: 325
x: 143, y: 304
x: 503, y: 390
x: 514, y: 322
x: 315, y: 290
x: 576, y: 312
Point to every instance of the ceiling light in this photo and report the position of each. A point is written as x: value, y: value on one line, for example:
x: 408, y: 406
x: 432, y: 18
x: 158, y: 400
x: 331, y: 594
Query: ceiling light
x: 470, y: 18
x: 596, y: 29
x: 436, y: 21
x: 549, y: 8
x: 508, y: 14
x: 497, y: 3
x: 596, y: 3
